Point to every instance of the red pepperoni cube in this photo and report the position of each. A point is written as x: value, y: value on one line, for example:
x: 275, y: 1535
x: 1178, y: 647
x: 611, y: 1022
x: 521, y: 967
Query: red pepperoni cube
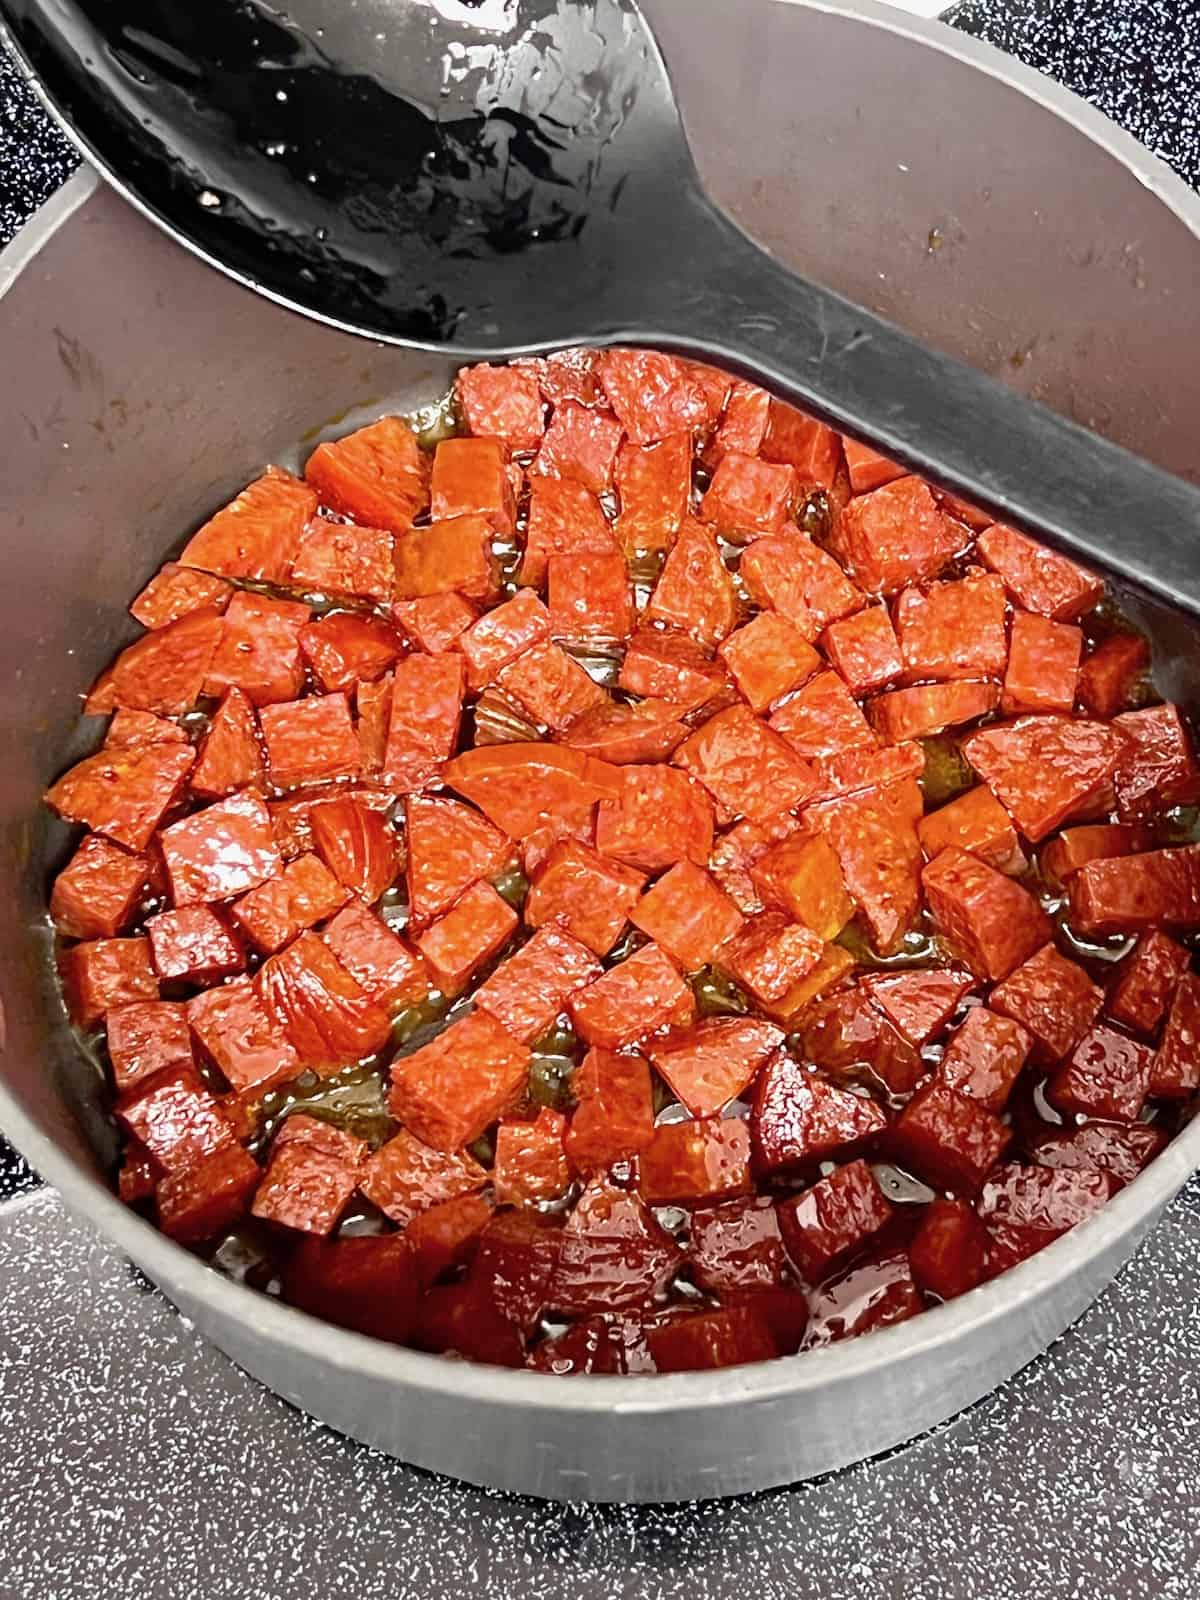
x: 1039, y: 579
x: 123, y: 793
x: 743, y: 425
x: 688, y: 914
x: 96, y: 895
x: 827, y: 1224
x: 146, y: 1037
x: 748, y: 497
x: 525, y: 787
x: 221, y: 851
x: 367, y: 1284
x: 380, y: 962
x: 501, y: 635
x: 695, y: 591
x: 788, y: 573
x: 450, y: 1090
x: 1107, y: 1076
x: 450, y: 847
x: 531, y: 1164
x: 1137, y: 892
x: 850, y: 1039
x: 953, y: 630
x: 550, y: 686
x: 230, y: 757
x: 769, y: 657
x: 1120, y: 1149
x: 474, y: 930
x: 504, y: 401
x: 770, y: 955
x: 564, y: 519
x: 894, y: 536
x: 434, y: 623
x: 948, y: 1254
x: 234, y: 1030
x: 746, y: 766
x: 442, y: 1237
x: 640, y: 994
x: 312, y: 1171
x: 864, y: 649
x: 856, y: 771
x: 427, y: 694
x: 405, y: 1177
x: 654, y: 485
x: 373, y: 707
x: 344, y: 649
x: 1146, y: 981
x: 515, y: 1264
x: 452, y: 555
x: 304, y: 893
x: 136, y: 729
x: 991, y: 921
x: 255, y: 535
x: 613, y: 1254
x: 984, y: 1056
x: 470, y: 478
x: 948, y: 1139
x: 462, y: 1319
x: 259, y: 650
x: 627, y: 734
x: 1043, y: 665
x: 103, y: 973
x: 328, y: 1018
x: 823, y: 719
x: 339, y: 558
x: 919, y: 1004
x: 800, y: 1118
x: 193, y: 945
x: 590, y: 896
x: 174, y: 591
x: 310, y: 740
x: 713, y: 1062
x: 590, y: 597
x: 875, y: 1294
x: 931, y: 708
x: 175, y: 1118
x: 1053, y: 998
x: 653, y: 394
x: 1111, y: 674
x: 1026, y: 1208
x: 803, y: 876
x: 208, y: 1196
x: 378, y: 475
x: 736, y: 1246
x: 875, y: 840
x: 710, y: 1340
x: 808, y: 445
x: 581, y: 443
x: 1158, y: 768
x: 357, y: 845
x: 665, y: 664
x: 975, y: 822
x: 868, y: 470
x: 613, y: 1117
x: 658, y: 817
x: 1075, y: 847
x: 828, y: 973
x: 531, y: 988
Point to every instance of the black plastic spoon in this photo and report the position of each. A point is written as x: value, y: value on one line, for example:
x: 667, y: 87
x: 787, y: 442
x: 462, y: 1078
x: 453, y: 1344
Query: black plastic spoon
x: 497, y: 177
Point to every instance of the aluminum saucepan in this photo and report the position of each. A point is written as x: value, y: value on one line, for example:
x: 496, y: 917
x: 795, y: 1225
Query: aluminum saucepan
x: 965, y: 197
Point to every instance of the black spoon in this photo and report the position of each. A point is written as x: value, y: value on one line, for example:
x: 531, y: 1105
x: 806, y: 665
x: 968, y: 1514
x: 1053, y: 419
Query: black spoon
x: 497, y: 177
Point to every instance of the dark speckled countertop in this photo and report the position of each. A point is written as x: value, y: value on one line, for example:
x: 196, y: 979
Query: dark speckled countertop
x: 136, y: 1461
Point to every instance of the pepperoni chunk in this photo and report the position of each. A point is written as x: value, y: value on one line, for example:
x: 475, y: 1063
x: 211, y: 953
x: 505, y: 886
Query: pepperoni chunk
x: 470, y: 478
x: 376, y: 958
x: 589, y: 895
x: 503, y: 401
x: 310, y: 740
x: 654, y: 395
x: 949, y: 1139
x: 920, y: 1004
x: 1053, y: 998
x: 736, y: 1247
x: 894, y: 536
x: 176, y: 590
x: 688, y: 914
x: 256, y: 535
x: 613, y: 1117
x: 426, y: 710
x: 991, y: 921
x: 476, y: 928
x: 357, y: 845
x: 405, y: 1177
x: 501, y: 635
x: 564, y: 519
x: 230, y: 755
x: 590, y: 597
x: 304, y: 893
x: 657, y: 817
x: 689, y: 1162
x: 434, y: 623
x: 338, y: 558
x: 1175, y: 1071
x: 1146, y: 980
x: 1107, y: 1076
x: 449, y: 1091
x: 640, y: 994
x: 823, y: 719
x: 581, y: 443
x: 823, y: 1227
x: 948, y: 1254
x: 312, y: 1171
x: 232, y: 1027
x: 984, y: 1056
x: 377, y: 475
x: 451, y: 555
x: 522, y: 788
x: 1043, y: 665
x: 769, y: 657
x: 712, y: 1062
x: 788, y: 573
x: 1109, y: 677
x: 748, y: 497
x: 654, y: 484
x: 259, y: 649
x: 1133, y: 893
x: 747, y: 768
x: 531, y: 988
x: 1045, y: 768
x: 695, y: 592
x: 193, y: 945
x: 96, y: 895
x: 662, y: 663
x: 864, y: 649
x: 953, y: 630
x: 931, y: 708
x: 770, y: 954
x: 975, y: 822
x: 221, y: 851
x: 531, y: 1164
x: 328, y: 1018
x: 1039, y: 579
x: 345, y: 649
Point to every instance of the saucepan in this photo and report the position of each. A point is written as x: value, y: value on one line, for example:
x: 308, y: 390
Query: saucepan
x: 961, y: 195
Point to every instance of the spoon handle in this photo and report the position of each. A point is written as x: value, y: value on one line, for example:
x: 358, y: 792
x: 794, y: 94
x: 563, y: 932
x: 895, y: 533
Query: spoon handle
x: 963, y: 430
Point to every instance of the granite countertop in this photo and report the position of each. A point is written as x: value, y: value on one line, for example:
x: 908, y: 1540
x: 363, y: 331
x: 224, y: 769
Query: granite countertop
x: 135, y: 1460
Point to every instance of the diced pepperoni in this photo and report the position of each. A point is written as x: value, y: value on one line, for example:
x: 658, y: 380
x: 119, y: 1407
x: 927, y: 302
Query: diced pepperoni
x: 803, y: 876
x: 749, y: 497
x: 145, y: 1037
x: 712, y: 1062
x: 920, y: 1004
x: 1051, y: 997
x: 735, y: 1246
x: 613, y: 1256
x: 208, y: 1197
x: 470, y: 478
x: 503, y: 401
x: 823, y: 719
x: 1044, y: 768
x: 514, y: 1265
x: 405, y: 1177
x: 710, y: 1340
x: 1026, y: 1208
x: 565, y: 375
x: 259, y: 651
x: 221, y: 851
x: 463, y: 1319
x: 1043, y: 665
x: 442, y: 1237
x: 345, y: 648
x: 525, y: 787
x: 588, y: 894
x: 476, y: 928
x: 953, y: 630
x: 304, y: 893
x: 770, y: 954
x: 1039, y: 579
x: 613, y: 1117
x: 814, y: 450
x: 377, y: 475
x: 800, y: 1117
x: 658, y: 816
x: 339, y: 558
x: 450, y: 846
x: 531, y: 1164
x: 380, y: 962
x: 851, y: 1040
x: 233, y: 1029
x: 230, y: 754
x: 688, y: 914
x: 174, y: 591
x: 1107, y: 1076
x: 165, y: 671
x: 769, y: 657
x: 1158, y: 769
x: 853, y: 772
x: 788, y: 573
x: 590, y: 597
x: 564, y: 519
x: 894, y: 536
x: 640, y: 994
x: 743, y: 425
x: 665, y: 664
x: 550, y: 686
x: 1109, y: 677
x: 1175, y: 1070
x: 875, y: 1294
x: 984, y: 1056
x: 1146, y: 980
x: 312, y: 1171
x: 373, y: 709
x: 864, y: 649
x: 138, y: 1175
x: 357, y: 845
x: 827, y: 1224
x: 427, y: 693
x: 1119, y: 1149
x: 96, y: 895
x: 368, y: 1284
x: 736, y: 852
x: 695, y: 591
x: 255, y: 536
x: 992, y: 922
x: 874, y: 837
x: 747, y: 767
x: 581, y: 443
x: 653, y: 394
x: 452, y: 555
x: 291, y: 819
x: 868, y: 470
x: 329, y: 1019
x: 131, y: 730
x: 193, y: 945
x: 501, y: 635
x: 627, y: 734
x: 310, y: 740
x: 689, y: 1162
x: 1075, y: 847
x: 948, y: 1139
x: 654, y: 485
x: 828, y: 973
x: 531, y: 988
x: 1134, y: 893
x: 450, y: 1090
x: 975, y: 822
x: 175, y: 1118
x: 436, y: 622
x: 948, y: 1253
x: 931, y: 708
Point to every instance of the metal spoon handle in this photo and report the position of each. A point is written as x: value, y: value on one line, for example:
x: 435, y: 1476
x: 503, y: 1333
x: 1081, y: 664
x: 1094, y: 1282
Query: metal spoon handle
x: 965, y: 431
